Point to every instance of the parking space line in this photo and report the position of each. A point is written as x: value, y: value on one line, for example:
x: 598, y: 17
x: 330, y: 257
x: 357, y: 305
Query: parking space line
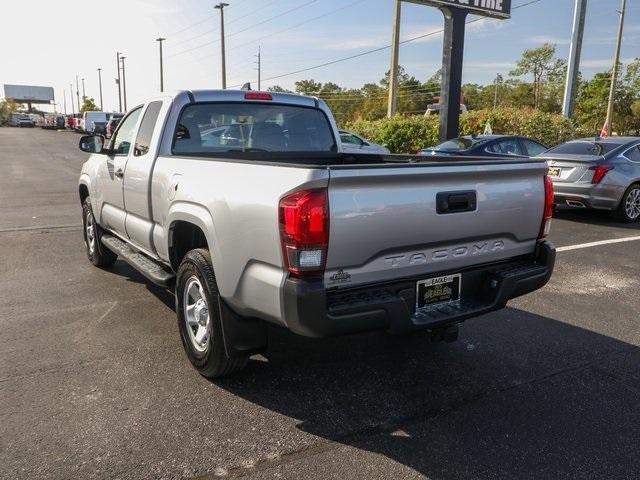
x: 596, y: 244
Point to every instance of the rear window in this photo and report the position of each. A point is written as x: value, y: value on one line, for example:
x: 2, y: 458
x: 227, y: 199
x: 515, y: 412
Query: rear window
x: 255, y: 127
x: 455, y: 145
x: 584, y: 148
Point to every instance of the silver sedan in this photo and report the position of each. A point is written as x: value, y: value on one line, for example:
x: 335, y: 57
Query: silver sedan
x: 600, y: 173
x: 352, y: 143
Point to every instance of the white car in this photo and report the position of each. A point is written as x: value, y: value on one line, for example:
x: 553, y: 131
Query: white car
x: 352, y: 143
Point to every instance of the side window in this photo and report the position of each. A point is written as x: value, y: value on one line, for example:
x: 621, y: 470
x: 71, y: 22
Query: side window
x: 351, y: 139
x: 506, y: 147
x: 143, y: 140
x: 121, y: 142
x: 533, y: 148
x: 633, y: 154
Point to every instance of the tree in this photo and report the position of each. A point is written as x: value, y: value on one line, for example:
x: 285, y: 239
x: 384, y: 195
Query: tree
x: 88, y: 105
x: 540, y: 63
x: 278, y: 88
x: 308, y: 87
x: 7, y: 107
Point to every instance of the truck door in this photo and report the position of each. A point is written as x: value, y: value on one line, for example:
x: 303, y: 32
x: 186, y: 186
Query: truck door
x: 111, y: 175
x: 137, y: 177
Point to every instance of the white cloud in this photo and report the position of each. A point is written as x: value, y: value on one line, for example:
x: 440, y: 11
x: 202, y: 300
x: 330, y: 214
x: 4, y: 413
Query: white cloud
x: 549, y: 39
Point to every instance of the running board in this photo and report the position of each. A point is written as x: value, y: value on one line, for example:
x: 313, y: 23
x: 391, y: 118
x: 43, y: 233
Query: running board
x: 148, y: 267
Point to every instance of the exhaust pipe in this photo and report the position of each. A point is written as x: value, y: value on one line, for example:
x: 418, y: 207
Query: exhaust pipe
x: 576, y: 203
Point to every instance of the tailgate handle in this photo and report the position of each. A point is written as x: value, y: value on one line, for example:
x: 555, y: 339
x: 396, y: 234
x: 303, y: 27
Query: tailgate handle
x: 456, y: 202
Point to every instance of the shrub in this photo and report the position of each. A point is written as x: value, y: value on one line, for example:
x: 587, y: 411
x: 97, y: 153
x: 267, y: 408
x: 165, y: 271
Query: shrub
x: 409, y: 134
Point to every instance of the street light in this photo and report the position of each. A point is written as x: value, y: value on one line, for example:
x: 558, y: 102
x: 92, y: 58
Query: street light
x: 100, y: 86
x: 124, y: 84
x: 160, y: 40
x: 220, y: 7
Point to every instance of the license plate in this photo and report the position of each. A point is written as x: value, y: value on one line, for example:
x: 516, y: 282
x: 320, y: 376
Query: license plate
x: 439, y: 290
x: 554, y: 171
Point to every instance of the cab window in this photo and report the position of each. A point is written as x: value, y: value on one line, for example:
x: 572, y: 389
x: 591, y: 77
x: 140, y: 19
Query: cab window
x: 145, y: 133
x: 122, y: 138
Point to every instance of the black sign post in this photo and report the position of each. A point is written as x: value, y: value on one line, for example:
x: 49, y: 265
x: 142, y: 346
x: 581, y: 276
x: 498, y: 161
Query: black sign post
x: 455, y: 15
x: 452, y: 56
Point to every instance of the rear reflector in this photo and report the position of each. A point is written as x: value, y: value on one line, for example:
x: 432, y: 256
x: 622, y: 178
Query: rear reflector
x: 599, y: 171
x: 548, y: 208
x: 258, y: 96
x: 304, y: 230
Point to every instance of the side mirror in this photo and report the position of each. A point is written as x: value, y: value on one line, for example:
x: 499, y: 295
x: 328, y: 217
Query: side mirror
x: 92, y: 144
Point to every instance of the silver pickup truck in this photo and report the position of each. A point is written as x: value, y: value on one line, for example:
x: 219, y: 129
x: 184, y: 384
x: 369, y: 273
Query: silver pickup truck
x: 244, y: 202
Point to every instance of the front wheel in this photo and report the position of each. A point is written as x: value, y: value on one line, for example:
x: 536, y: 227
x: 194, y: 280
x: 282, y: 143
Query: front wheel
x: 198, y: 310
x: 629, y: 208
x: 97, y: 253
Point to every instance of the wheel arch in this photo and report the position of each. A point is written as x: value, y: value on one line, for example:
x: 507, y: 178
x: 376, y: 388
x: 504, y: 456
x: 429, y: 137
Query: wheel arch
x: 190, y: 226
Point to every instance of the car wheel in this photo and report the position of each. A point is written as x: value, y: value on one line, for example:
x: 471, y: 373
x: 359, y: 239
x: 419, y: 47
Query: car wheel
x: 198, y: 310
x: 629, y: 208
x: 97, y: 253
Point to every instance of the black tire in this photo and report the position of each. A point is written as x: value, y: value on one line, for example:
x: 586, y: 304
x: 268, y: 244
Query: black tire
x: 211, y: 359
x: 97, y: 253
x: 622, y: 213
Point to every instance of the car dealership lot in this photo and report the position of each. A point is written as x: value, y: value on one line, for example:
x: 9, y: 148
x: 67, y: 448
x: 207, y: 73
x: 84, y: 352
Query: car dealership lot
x: 94, y: 382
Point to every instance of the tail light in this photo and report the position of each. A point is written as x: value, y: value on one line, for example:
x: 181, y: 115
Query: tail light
x: 304, y: 231
x: 548, y: 208
x: 599, y: 171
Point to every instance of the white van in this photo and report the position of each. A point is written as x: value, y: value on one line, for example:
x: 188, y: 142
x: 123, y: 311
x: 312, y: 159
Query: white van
x: 89, y: 119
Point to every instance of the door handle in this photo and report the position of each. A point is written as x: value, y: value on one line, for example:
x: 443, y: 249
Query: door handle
x: 456, y: 202
x: 119, y: 173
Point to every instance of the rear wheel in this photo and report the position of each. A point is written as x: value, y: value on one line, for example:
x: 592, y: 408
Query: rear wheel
x: 97, y: 253
x: 629, y: 208
x: 198, y: 309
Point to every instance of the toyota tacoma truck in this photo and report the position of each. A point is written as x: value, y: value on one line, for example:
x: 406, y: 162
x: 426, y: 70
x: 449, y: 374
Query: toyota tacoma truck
x: 244, y: 203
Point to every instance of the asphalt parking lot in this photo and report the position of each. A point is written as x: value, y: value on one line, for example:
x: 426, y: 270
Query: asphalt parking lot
x: 94, y: 382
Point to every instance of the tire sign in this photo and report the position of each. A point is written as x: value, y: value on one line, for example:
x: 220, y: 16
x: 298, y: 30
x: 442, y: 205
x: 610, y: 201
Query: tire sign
x: 487, y: 8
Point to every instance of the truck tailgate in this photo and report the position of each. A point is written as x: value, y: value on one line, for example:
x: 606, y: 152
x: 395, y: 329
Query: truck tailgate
x: 391, y: 222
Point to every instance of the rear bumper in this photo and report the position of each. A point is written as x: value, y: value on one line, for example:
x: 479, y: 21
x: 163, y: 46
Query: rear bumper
x: 602, y: 196
x: 312, y: 311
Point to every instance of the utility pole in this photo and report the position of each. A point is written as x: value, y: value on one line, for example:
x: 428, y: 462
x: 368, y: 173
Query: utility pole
x: 78, y: 93
x: 259, y: 68
x: 614, y: 74
x: 83, y: 94
x: 575, y: 51
x: 64, y: 94
x: 73, y: 108
x: 124, y: 85
x: 118, y: 82
x: 100, y: 86
x: 498, y: 81
x: 160, y: 40
x: 392, y: 105
x: 220, y: 7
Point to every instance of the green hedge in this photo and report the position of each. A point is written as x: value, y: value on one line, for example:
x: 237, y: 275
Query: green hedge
x: 409, y: 134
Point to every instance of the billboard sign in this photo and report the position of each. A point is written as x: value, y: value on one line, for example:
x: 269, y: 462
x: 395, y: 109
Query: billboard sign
x: 29, y: 93
x: 487, y: 8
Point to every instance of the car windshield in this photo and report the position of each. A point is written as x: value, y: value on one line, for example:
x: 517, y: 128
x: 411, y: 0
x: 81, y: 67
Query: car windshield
x: 254, y: 127
x: 455, y: 145
x: 584, y: 148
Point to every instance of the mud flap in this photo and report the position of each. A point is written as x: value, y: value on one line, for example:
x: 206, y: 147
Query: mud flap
x: 242, y: 336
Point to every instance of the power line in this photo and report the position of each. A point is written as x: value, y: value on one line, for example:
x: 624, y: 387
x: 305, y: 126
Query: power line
x: 247, y: 28
x: 208, y: 18
x: 375, y: 50
x: 186, y: 40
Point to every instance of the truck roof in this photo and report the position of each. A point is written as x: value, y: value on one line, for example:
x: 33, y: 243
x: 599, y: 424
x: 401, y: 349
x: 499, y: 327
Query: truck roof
x: 239, y: 96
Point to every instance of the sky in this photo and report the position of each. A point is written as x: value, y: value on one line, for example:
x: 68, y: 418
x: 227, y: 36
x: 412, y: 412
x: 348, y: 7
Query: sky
x: 45, y: 42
